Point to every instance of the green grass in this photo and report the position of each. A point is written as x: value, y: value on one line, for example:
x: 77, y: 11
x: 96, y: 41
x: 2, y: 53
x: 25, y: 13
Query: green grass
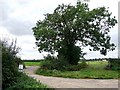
x: 26, y: 83
x: 32, y: 63
x: 97, y: 64
x: 94, y: 70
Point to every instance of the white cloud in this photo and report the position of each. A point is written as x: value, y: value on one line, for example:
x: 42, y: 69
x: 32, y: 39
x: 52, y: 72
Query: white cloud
x: 19, y: 16
x: 4, y: 33
x: 33, y: 10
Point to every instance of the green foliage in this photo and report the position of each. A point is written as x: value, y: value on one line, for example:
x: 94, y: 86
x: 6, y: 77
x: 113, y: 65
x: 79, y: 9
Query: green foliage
x: 48, y: 62
x: 93, y: 70
x: 83, y: 73
x: 47, y: 65
x: 49, y: 57
x: 71, y: 54
x: 69, y: 24
x: 11, y: 78
x: 113, y: 64
x: 76, y: 67
x: 19, y: 61
x: 26, y: 83
x: 52, y: 63
x: 57, y: 64
x: 9, y: 65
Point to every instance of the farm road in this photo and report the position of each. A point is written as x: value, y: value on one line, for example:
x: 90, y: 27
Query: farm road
x: 57, y: 82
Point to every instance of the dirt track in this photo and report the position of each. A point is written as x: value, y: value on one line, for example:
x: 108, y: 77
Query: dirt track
x: 57, y: 82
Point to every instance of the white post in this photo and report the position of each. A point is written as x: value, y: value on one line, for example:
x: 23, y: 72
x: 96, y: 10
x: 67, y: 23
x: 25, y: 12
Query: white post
x: 20, y: 68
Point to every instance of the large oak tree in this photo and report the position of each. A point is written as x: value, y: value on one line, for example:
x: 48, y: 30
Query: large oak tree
x: 69, y: 25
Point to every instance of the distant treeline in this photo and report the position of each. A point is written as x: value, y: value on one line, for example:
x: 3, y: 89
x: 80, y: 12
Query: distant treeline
x: 102, y: 59
x: 98, y: 59
x: 34, y: 60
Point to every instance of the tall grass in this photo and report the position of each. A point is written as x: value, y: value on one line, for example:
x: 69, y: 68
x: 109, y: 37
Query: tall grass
x: 26, y: 83
x: 94, y: 70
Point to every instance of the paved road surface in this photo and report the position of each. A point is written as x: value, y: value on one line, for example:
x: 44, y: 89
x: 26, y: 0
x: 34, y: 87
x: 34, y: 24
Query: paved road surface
x: 57, y: 82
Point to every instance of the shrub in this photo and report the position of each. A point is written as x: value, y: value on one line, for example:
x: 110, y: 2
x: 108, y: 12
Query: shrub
x: 83, y: 64
x: 76, y: 67
x: 19, y: 61
x: 113, y: 64
x: 47, y: 64
x: 60, y: 64
x: 9, y: 66
x: 26, y: 83
x: 51, y: 64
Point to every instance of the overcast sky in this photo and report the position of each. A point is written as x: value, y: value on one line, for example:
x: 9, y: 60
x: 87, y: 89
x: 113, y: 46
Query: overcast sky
x: 17, y: 17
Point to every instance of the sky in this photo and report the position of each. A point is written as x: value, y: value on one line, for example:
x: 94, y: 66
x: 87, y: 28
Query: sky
x: 18, y: 17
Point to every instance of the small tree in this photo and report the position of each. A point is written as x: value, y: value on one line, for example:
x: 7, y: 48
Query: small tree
x: 9, y: 66
x: 68, y: 25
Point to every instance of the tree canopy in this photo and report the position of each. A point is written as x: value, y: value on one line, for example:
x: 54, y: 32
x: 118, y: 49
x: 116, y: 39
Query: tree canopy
x: 69, y: 25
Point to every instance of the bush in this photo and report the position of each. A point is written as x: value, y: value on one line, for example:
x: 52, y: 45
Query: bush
x: 61, y: 64
x: 77, y: 67
x: 9, y: 66
x: 47, y: 64
x: 113, y: 64
x: 51, y: 64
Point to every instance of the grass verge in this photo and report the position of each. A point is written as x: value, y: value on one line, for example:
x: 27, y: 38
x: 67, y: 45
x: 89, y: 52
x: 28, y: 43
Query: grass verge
x: 26, y: 83
x: 95, y: 70
x: 32, y: 63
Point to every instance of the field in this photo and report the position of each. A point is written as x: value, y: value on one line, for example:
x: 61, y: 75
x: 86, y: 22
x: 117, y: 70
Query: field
x: 94, y: 70
x: 32, y: 63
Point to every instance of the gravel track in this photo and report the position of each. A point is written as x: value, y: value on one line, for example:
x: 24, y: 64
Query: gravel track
x: 57, y: 82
